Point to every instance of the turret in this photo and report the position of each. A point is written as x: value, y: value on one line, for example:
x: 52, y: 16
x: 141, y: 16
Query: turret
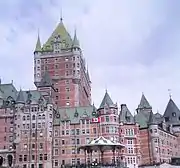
x: 37, y: 61
x: 20, y: 98
x: 75, y: 43
x: 38, y: 46
x: 144, y: 105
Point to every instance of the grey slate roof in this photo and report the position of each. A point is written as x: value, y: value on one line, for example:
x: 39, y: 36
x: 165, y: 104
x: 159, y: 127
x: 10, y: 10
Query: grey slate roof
x: 46, y: 80
x: 8, y: 91
x: 172, y: 112
x: 152, y: 119
x: 20, y: 97
x: 144, y: 104
x: 106, y: 101
x: 125, y: 115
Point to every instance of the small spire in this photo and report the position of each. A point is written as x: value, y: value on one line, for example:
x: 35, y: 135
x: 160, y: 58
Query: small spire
x: 61, y: 18
x: 38, y: 44
x: 75, y: 40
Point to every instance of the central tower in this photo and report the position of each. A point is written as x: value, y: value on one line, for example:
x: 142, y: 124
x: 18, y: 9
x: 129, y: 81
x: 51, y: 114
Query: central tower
x: 61, y: 57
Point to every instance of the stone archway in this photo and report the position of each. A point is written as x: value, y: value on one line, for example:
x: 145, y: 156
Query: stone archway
x: 10, y: 160
x: 1, y: 160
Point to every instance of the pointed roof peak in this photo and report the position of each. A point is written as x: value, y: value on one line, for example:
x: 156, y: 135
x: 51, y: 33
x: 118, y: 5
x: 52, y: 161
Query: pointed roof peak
x: 60, y: 34
x: 38, y: 44
x: 20, y: 97
x: 172, y: 112
x: 106, y: 101
x: 144, y: 104
x: 75, y: 40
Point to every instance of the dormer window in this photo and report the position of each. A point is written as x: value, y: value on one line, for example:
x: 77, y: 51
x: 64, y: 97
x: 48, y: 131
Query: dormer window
x: 174, y: 114
x: 166, y: 119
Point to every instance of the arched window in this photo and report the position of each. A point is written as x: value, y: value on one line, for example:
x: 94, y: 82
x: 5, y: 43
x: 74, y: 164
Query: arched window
x: 39, y: 117
x: 43, y: 116
x: 33, y: 117
x: 174, y: 114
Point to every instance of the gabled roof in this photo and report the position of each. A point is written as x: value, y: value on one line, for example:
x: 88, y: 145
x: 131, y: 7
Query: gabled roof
x: 125, y: 115
x: 106, y: 101
x: 144, y: 104
x: 63, y: 35
x: 20, y: 97
x: 46, y: 80
x: 172, y: 112
x: 9, y: 91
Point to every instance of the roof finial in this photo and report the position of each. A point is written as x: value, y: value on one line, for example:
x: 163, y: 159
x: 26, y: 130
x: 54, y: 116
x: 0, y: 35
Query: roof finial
x: 170, y: 94
x: 106, y: 88
x: 61, y: 18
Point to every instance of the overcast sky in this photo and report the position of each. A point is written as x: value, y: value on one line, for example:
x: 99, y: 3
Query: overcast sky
x: 131, y: 46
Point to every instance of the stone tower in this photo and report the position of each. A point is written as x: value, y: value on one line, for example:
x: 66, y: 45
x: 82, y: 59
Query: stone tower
x: 61, y: 56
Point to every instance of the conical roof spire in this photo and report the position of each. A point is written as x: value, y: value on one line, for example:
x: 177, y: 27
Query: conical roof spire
x: 20, y: 97
x: 60, y: 34
x: 75, y: 41
x: 38, y: 44
x: 144, y: 104
x: 106, y: 101
x: 172, y: 112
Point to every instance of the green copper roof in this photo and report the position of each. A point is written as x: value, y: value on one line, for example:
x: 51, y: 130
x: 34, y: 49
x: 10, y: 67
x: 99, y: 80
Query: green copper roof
x: 75, y: 41
x: 106, y: 101
x: 38, y: 45
x: 74, y: 115
x: 63, y: 35
x: 144, y: 104
x: 142, y: 118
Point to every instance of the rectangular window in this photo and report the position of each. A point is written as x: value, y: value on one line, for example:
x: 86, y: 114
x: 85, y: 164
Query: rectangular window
x: 77, y: 131
x: 107, y: 118
x: 41, y: 145
x: 56, y: 163
x: 56, y: 151
x: 63, y: 142
x: 45, y: 156
x: 40, y: 156
x: 33, y: 157
x: 56, y: 133
x: 20, y: 158
x: 83, y: 131
x: 94, y: 130
x: 130, y: 141
x: 78, y: 141
x: 25, y: 158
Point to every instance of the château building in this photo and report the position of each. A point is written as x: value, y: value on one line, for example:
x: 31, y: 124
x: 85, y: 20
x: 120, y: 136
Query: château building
x: 44, y: 128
